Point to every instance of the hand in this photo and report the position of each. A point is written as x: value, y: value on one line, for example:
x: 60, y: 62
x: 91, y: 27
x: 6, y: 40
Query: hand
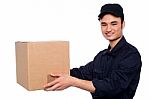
x: 64, y: 81
x: 61, y: 82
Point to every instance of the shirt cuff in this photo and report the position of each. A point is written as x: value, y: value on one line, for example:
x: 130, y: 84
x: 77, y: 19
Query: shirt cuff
x: 98, y: 85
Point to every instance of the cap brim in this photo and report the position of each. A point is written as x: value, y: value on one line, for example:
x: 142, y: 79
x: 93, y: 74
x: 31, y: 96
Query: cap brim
x: 104, y: 13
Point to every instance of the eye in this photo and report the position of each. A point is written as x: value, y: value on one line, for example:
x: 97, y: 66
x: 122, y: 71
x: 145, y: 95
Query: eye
x: 103, y: 24
x: 114, y: 23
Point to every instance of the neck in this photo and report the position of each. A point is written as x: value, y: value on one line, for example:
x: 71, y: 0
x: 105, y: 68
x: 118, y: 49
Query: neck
x: 114, y: 42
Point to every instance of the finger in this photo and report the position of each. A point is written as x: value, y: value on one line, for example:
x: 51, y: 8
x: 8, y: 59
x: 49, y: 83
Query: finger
x: 60, y: 88
x: 50, y: 84
x: 55, y: 74
x: 53, y: 88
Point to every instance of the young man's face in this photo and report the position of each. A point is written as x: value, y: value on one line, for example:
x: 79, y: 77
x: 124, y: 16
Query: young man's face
x: 111, y: 27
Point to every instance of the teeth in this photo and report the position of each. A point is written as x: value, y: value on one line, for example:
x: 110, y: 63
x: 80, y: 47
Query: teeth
x: 109, y: 34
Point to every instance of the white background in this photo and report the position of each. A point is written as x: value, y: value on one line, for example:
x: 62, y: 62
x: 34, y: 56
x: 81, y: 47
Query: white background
x: 72, y: 20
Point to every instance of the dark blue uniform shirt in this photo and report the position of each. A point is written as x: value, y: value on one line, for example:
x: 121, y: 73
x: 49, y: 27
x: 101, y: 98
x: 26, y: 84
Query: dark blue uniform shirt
x: 115, y: 74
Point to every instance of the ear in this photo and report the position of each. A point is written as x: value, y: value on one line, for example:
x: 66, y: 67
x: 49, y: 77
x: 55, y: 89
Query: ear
x: 123, y: 24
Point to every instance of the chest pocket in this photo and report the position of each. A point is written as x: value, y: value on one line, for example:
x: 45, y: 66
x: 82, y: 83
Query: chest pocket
x: 104, y: 68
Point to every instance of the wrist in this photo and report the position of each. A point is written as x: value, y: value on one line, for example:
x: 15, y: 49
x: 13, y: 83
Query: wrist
x: 83, y: 84
x: 74, y: 82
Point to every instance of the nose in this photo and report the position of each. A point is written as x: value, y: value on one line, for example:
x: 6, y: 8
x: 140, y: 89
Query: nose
x: 108, y: 29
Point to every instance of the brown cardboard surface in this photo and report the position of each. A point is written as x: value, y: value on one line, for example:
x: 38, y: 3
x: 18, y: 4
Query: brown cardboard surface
x: 36, y: 60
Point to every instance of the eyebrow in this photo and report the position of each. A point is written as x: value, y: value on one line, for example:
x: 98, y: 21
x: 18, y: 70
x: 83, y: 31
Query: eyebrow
x: 111, y: 22
x: 114, y: 22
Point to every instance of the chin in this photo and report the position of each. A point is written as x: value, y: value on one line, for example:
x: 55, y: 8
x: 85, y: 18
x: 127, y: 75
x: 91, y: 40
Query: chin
x: 110, y: 38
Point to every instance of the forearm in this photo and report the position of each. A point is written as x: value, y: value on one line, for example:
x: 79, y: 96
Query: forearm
x: 83, y: 84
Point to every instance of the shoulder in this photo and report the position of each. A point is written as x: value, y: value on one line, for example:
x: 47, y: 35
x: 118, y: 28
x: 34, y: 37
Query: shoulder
x: 100, y: 53
x: 131, y: 57
x: 130, y: 49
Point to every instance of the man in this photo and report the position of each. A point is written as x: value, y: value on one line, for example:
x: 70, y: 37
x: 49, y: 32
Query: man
x: 114, y: 73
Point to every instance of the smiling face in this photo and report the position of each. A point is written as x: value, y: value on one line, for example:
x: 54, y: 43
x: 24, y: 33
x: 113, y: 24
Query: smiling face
x: 111, y: 27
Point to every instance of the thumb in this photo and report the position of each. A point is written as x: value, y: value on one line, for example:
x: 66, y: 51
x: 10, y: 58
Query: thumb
x: 55, y: 74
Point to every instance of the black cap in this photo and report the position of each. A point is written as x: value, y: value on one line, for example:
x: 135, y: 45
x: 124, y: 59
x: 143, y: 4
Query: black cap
x: 114, y: 9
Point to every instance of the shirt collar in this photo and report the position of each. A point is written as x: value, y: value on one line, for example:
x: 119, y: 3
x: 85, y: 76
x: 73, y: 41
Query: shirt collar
x: 118, y: 46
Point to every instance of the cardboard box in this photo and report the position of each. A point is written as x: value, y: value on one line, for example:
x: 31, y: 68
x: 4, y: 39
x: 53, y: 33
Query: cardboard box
x: 36, y: 60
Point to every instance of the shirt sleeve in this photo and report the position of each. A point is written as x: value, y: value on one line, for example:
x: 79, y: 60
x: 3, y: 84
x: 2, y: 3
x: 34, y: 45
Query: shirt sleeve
x: 126, y: 76
x: 84, y: 72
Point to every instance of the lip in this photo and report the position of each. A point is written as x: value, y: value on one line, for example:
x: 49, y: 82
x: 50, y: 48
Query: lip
x: 109, y: 34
